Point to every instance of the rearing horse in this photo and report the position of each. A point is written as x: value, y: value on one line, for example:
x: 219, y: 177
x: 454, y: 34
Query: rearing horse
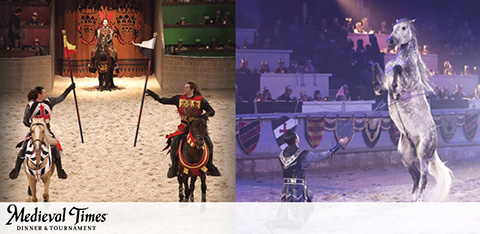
x: 38, y: 158
x: 193, y: 156
x: 406, y: 80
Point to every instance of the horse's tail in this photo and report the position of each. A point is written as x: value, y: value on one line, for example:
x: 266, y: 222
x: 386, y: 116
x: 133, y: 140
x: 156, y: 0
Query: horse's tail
x: 443, y: 177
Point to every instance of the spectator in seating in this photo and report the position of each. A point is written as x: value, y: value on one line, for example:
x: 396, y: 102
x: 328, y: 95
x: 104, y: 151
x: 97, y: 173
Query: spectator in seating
x: 308, y: 67
x: 244, y: 67
x: 347, y: 26
x: 447, y: 68
x: 293, y: 68
x: 476, y: 93
x: 366, y: 26
x: 286, y: 96
x: 264, y: 67
x: 238, y: 98
x: 34, y: 19
x: 466, y: 70
x: 359, y: 28
x: 343, y: 94
x: 444, y: 93
x: 281, y: 66
x: 304, y: 97
x: 3, y: 45
x: 37, y: 47
x: 458, y: 94
x: 16, y: 45
x: 267, y: 95
x: 383, y: 28
x: 336, y: 26
x: 258, y: 97
x: 317, y: 95
x: 266, y: 44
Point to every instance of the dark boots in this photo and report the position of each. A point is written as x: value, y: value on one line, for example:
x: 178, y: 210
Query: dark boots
x: 173, y: 170
x: 58, y: 162
x: 18, y: 164
x: 212, y: 170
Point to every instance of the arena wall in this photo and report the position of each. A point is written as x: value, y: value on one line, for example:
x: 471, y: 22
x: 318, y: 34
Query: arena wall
x: 264, y: 159
x: 22, y: 74
x: 208, y: 72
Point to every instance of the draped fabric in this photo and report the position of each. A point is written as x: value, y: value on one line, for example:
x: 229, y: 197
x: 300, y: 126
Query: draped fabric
x: 131, y: 20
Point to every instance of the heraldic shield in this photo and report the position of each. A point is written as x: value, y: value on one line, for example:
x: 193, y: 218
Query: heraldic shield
x: 248, y: 134
x: 314, y: 129
x: 471, y: 126
x: 371, y: 132
x: 448, y: 127
x: 344, y: 128
x: 280, y: 126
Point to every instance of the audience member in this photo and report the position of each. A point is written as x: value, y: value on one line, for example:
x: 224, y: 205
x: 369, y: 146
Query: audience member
x: 383, y: 28
x: 343, y: 94
x: 286, y: 95
x: 308, y: 67
x: 476, y: 93
x: 3, y: 45
x: 293, y: 68
x: 34, y: 19
x: 238, y: 98
x: 281, y: 67
x: 458, y: 94
x: 267, y: 95
x: 37, y: 47
x: 359, y: 28
x: 447, y: 68
x: 317, y: 95
x: 244, y: 67
x: 264, y: 68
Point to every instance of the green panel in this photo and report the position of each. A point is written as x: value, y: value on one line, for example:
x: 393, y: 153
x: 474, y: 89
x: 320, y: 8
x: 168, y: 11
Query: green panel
x: 205, y: 34
x: 194, y: 13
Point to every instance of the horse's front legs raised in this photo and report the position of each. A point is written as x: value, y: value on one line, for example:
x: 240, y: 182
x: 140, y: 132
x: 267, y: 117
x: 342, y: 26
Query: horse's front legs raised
x: 377, y: 79
x: 203, y: 178
x: 397, y: 71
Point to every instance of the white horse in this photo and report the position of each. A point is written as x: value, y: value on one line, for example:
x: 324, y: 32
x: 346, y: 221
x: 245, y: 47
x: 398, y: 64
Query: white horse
x: 406, y: 80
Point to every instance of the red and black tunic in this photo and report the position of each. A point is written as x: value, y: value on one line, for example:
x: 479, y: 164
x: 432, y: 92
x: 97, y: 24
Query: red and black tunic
x: 188, y: 109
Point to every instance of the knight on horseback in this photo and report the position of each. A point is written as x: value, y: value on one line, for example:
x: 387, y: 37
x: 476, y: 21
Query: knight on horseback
x: 104, y: 33
x: 40, y: 106
x: 190, y: 105
x: 295, y: 163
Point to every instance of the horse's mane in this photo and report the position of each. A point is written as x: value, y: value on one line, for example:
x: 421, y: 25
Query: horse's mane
x: 424, y: 76
x: 47, y: 136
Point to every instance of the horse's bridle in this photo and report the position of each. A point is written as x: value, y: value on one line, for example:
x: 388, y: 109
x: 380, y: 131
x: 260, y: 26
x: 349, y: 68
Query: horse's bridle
x: 31, y: 131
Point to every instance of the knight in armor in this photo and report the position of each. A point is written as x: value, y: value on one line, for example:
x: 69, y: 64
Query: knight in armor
x: 190, y: 105
x: 104, y: 33
x: 40, y: 106
x: 295, y: 163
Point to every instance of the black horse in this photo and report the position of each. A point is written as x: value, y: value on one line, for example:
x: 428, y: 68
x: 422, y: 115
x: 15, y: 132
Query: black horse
x: 193, y: 157
x: 104, y: 63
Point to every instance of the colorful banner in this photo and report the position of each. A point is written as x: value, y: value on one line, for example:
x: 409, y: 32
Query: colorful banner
x: 372, y: 131
x: 314, y: 129
x: 280, y: 126
x: 248, y: 134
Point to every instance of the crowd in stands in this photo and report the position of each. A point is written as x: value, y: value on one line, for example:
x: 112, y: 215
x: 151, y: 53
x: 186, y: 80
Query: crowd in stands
x: 323, y: 47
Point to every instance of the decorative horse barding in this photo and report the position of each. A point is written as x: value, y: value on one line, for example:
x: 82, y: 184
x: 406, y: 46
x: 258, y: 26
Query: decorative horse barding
x: 38, y: 158
x: 406, y: 80
x: 193, y: 156
x: 104, y: 63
